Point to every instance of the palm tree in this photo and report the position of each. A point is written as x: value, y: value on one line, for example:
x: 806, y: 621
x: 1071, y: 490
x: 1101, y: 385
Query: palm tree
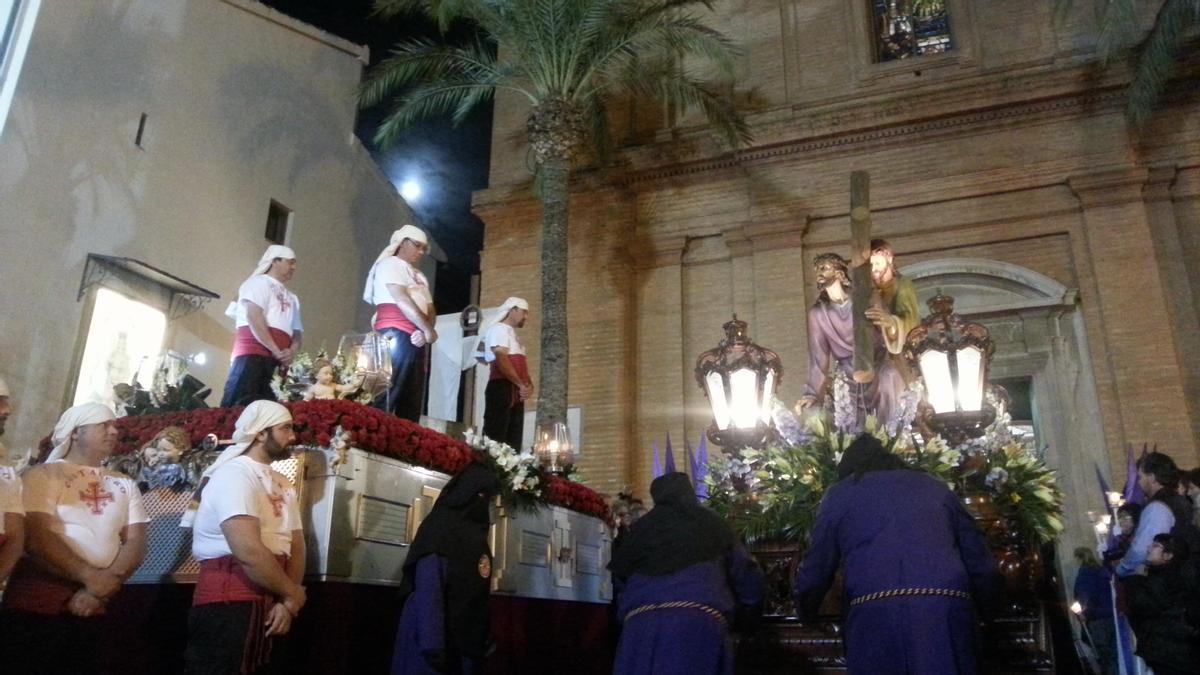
x: 1169, y: 39
x: 568, y: 59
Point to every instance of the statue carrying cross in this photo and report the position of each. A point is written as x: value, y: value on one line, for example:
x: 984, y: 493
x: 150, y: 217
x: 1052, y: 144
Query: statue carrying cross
x: 864, y: 336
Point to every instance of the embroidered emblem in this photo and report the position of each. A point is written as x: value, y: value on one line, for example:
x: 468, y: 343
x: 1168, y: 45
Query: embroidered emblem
x: 96, y: 496
x: 276, y: 503
x: 485, y: 566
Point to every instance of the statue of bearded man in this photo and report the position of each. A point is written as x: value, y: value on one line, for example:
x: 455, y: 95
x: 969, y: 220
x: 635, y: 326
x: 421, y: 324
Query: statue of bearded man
x: 830, y: 329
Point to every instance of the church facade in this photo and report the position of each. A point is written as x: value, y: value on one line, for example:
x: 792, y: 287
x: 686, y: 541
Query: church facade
x: 1003, y: 172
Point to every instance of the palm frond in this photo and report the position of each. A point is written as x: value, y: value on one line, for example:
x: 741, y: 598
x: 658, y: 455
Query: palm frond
x: 427, y: 100
x: 1157, y: 54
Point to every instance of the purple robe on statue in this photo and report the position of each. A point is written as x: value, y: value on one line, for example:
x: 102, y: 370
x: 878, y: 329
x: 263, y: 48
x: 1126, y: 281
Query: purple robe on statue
x: 895, y: 530
x: 831, y: 344
x: 423, y: 625
x: 685, y: 640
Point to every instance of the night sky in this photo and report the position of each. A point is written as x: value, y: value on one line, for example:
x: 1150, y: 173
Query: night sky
x: 449, y: 162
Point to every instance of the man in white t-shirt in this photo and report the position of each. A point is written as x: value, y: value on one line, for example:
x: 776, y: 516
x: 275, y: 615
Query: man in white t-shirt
x: 248, y: 538
x: 405, y: 315
x: 269, y: 331
x: 85, y: 535
x: 12, y: 513
x: 509, y: 383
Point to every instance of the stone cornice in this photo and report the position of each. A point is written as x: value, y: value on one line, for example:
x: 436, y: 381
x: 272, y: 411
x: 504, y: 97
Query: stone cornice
x: 1111, y: 186
x: 866, y: 138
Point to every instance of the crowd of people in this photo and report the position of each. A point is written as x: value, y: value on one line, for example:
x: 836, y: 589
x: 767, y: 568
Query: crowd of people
x: 1150, y: 574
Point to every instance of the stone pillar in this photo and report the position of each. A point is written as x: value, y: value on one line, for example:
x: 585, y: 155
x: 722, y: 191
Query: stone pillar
x: 1135, y: 313
x: 659, y: 353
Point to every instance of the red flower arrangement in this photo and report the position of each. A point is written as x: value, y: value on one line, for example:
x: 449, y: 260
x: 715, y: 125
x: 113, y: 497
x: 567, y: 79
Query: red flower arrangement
x: 372, y: 430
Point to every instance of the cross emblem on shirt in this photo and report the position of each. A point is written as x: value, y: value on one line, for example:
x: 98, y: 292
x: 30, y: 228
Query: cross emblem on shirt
x: 276, y: 504
x: 96, y: 496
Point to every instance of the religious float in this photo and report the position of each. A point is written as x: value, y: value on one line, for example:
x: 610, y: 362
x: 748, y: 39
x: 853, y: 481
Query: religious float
x: 365, y: 480
x: 947, y: 421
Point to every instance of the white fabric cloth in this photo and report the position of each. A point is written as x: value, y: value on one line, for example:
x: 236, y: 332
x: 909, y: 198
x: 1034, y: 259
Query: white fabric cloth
x: 4, y: 388
x: 73, y: 418
x: 396, y: 271
x: 280, y: 306
x: 407, y: 232
x: 245, y: 487
x: 451, y: 355
x: 10, y: 494
x: 90, y: 505
x: 273, y: 251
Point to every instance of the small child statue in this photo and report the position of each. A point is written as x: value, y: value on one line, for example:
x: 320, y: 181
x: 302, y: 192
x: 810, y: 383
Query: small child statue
x: 325, y: 388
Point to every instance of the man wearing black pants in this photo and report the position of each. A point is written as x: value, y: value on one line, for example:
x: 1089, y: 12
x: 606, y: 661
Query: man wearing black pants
x: 269, y: 331
x: 405, y: 316
x: 509, y: 383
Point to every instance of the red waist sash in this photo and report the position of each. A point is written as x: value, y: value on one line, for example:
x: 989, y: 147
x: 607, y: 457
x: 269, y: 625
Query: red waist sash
x: 224, y: 579
x: 32, y: 589
x: 244, y: 342
x: 388, y: 315
x: 521, y: 366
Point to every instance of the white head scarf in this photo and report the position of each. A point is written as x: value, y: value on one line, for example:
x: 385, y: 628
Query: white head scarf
x: 273, y: 251
x: 258, y: 416
x: 72, y: 419
x: 4, y: 388
x: 482, y: 353
x: 407, y: 232
x: 264, y: 263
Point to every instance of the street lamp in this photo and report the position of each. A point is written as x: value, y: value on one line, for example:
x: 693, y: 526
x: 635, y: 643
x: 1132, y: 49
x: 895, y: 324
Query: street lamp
x: 739, y: 378
x: 952, y: 355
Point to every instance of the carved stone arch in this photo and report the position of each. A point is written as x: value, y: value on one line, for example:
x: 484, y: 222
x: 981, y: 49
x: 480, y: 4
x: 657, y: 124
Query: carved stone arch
x: 982, y: 286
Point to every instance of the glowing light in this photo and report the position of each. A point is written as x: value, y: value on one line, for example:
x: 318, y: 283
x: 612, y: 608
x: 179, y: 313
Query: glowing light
x: 1076, y: 608
x: 200, y: 358
x: 410, y: 190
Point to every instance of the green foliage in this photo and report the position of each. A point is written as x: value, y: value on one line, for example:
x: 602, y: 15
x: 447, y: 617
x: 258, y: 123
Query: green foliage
x: 1170, y: 38
x: 774, y: 494
x: 585, y: 52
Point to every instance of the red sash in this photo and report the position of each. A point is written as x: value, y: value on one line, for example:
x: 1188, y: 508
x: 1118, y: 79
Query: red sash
x: 224, y: 580
x: 388, y: 315
x: 521, y: 366
x: 245, y: 343
x: 32, y: 589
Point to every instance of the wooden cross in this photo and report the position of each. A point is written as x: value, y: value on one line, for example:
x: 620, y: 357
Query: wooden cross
x: 862, y: 287
x: 97, y: 496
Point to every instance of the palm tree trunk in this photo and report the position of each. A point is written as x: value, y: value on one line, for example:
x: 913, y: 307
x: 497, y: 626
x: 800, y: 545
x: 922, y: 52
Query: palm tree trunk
x: 552, y: 384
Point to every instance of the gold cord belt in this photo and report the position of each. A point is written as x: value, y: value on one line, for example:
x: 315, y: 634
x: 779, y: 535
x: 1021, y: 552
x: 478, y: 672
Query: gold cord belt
x: 905, y: 592
x: 678, y: 604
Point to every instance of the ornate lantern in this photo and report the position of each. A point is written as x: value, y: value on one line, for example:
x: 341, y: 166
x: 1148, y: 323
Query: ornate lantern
x: 553, y: 448
x: 739, y: 378
x: 952, y: 356
x: 369, y: 354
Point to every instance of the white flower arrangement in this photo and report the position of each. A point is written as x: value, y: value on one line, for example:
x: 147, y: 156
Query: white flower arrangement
x: 520, y: 469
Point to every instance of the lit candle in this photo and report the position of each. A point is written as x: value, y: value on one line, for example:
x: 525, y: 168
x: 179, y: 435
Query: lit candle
x: 1115, y: 500
x: 1076, y: 608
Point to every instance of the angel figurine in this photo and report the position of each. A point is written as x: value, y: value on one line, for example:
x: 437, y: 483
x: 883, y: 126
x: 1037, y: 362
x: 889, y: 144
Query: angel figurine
x: 325, y: 387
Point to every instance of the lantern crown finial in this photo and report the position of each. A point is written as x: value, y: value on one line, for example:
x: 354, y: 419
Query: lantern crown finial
x: 941, y: 305
x: 736, y: 332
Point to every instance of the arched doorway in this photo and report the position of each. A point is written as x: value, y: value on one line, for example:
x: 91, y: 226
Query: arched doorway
x: 1041, y: 344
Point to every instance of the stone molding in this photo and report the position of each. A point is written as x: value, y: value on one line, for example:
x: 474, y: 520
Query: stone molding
x: 1110, y: 186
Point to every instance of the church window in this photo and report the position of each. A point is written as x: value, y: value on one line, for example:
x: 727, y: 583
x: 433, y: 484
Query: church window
x: 909, y: 28
x: 279, y: 218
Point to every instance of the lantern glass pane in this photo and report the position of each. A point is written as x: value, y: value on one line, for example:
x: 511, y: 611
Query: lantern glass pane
x: 970, y: 378
x: 743, y: 385
x: 716, y: 398
x: 768, y: 393
x: 939, y: 389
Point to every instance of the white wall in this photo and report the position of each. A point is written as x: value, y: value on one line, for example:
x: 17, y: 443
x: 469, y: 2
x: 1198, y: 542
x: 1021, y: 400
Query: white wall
x: 245, y: 105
